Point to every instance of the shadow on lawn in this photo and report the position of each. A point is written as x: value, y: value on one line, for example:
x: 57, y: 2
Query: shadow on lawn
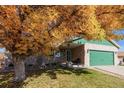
x: 52, y: 73
x: 6, y: 78
x: 6, y: 81
x: 78, y: 71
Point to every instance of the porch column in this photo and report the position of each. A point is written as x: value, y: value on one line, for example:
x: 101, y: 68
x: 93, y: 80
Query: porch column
x: 116, y: 60
x: 86, y: 56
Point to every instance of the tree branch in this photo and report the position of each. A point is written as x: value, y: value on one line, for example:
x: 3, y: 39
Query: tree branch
x: 57, y: 23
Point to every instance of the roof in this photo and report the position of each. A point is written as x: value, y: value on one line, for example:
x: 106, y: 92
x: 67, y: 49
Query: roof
x: 102, y: 42
x: 120, y: 54
x: 114, y: 43
x: 77, y: 41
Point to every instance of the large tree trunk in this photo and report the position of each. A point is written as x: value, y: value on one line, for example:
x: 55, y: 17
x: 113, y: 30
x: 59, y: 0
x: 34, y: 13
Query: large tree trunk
x: 19, y: 67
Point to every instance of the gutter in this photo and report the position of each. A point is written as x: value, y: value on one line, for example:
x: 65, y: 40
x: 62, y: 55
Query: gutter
x: 114, y: 43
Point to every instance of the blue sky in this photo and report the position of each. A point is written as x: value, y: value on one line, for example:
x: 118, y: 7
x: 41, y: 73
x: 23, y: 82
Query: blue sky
x: 2, y: 50
x: 121, y: 43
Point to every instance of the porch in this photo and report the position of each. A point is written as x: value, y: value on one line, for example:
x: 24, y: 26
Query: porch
x: 72, y: 54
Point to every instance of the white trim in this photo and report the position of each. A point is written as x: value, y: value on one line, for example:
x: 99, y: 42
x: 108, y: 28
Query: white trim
x: 100, y: 47
x: 116, y: 60
x: 114, y: 43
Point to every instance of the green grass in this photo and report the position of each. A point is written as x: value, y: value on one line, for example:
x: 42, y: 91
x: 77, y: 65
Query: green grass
x: 64, y: 78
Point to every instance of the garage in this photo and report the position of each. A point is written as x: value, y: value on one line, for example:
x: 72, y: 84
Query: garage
x: 92, y: 52
x: 99, y: 58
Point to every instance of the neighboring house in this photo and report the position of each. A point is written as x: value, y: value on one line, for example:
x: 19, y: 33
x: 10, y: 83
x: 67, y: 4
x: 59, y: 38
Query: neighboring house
x: 1, y: 60
x: 90, y: 53
x: 121, y: 57
x: 5, y: 60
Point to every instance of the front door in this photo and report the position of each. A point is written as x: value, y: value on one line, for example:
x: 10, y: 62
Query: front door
x: 69, y: 55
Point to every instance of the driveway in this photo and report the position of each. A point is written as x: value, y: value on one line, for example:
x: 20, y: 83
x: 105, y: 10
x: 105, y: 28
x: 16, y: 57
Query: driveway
x: 112, y: 70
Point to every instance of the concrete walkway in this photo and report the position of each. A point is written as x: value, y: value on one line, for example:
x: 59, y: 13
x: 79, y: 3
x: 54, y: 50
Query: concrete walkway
x: 112, y: 70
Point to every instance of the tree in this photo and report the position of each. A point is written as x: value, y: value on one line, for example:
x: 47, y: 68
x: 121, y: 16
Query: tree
x: 14, y: 37
x: 30, y: 30
x: 111, y: 19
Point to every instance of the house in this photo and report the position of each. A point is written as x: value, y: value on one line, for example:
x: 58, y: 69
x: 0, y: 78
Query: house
x: 5, y: 60
x: 1, y: 59
x: 90, y: 52
x: 121, y: 57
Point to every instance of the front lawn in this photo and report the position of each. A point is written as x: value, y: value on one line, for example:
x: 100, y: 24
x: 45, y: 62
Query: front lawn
x: 63, y: 78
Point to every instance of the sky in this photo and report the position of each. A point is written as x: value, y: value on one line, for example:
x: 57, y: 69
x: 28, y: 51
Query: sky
x: 121, y: 43
x: 2, y: 49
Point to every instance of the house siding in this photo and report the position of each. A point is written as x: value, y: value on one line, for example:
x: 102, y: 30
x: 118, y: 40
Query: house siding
x: 121, y: 59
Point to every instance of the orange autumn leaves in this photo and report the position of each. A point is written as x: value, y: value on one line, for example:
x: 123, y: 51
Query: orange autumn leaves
x: 29, y: 30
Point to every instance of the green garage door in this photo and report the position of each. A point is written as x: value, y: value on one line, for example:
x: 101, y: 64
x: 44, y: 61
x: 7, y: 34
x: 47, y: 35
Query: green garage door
x: 99, y: 58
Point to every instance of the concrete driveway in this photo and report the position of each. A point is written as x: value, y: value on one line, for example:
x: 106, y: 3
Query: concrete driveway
x: 112, y: 70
